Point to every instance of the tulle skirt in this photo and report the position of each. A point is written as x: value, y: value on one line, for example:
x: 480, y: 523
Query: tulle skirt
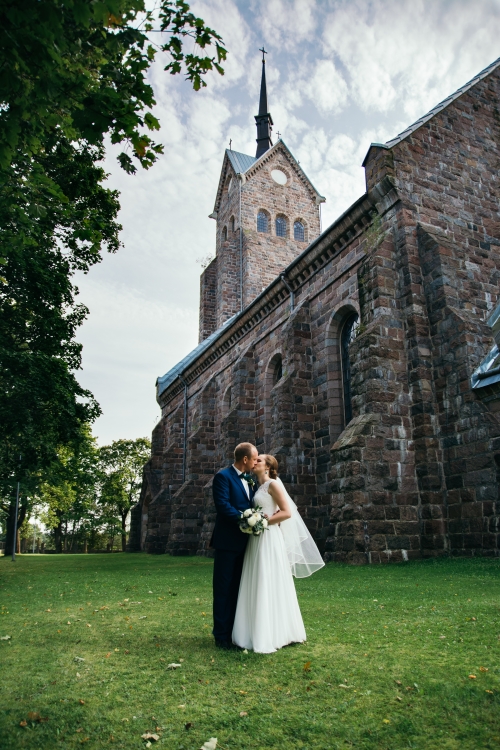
x: 267, y: 615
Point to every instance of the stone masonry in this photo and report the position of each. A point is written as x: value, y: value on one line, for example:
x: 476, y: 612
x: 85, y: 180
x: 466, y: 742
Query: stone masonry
x: 415, y: 472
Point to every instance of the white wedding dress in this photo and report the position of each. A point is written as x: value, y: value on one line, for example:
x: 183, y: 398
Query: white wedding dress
x: 267, y: 614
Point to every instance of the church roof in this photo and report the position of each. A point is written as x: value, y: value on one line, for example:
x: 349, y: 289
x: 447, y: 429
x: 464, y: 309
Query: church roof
x: 243, y: 163
x: 240, y: 162
x: 164, y: 381
x: 435, y: 110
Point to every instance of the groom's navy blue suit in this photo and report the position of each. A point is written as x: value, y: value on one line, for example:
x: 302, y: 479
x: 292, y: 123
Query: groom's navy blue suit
x: 231, y: 499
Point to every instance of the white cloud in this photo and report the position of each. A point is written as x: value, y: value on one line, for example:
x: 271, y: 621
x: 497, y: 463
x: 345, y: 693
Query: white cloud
x: 327, y: 87
x: 340, y: 75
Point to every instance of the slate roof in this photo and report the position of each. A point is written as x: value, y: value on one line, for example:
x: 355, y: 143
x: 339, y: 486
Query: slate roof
x: 435, y: 110
x: 240, y: 162
x: 164, y: 381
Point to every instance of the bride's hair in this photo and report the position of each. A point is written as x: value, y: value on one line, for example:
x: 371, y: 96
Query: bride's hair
x: 272, y: 465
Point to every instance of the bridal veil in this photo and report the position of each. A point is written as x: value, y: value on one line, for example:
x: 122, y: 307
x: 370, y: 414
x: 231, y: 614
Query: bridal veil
x: 303, y: 555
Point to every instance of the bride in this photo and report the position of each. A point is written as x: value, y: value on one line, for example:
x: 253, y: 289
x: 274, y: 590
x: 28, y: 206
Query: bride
x: 267, y: 614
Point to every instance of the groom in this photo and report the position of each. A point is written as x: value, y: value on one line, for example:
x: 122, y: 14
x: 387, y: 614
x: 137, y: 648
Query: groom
x: 233, y: 490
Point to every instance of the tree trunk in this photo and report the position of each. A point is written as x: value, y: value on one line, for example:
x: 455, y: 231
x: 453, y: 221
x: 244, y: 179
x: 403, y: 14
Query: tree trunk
x: 124, y: 531
x: 58, y: 536
x: 9, y: 526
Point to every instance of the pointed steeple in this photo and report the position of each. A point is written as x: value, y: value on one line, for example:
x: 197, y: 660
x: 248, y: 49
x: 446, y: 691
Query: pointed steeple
x: 263, y: 120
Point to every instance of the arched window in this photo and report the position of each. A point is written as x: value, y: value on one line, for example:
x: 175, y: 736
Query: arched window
x: 262, y: 222
x: 224, y: 234
x: 280, y: 226
x: 231, y: 223
x: 349, y: 331
x: 278, y: 369
x: 299, y: 232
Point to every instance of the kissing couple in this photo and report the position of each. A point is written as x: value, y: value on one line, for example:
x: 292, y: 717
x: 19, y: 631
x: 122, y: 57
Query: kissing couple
x: 255, y: 605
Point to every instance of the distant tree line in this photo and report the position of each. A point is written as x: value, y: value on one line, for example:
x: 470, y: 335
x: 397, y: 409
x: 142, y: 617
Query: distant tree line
x: 83, y: 501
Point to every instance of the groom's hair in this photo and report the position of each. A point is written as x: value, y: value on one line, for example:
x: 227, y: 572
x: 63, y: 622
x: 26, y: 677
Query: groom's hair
x: 242, y: 450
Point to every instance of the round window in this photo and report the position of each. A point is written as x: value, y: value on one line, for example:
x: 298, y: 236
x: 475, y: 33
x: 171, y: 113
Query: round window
x: 279, y: 176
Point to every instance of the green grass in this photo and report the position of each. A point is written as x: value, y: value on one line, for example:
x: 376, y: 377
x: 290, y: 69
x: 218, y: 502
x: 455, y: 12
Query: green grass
x: 377, y: 629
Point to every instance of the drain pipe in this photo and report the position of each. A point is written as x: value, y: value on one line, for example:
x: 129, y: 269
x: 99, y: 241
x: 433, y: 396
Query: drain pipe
x: 241, y: 249
x: 184, y: 448
x: 292, y: 295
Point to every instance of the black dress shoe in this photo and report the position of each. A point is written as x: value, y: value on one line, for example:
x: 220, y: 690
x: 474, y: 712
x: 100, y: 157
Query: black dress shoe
x: 225, y: 645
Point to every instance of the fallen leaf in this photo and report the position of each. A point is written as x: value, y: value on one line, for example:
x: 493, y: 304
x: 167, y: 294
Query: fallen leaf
x: 81, y: 702
x: 23, y: 723
x: 472, y: 677
x: 78, y: 674
x: 127, y: 652
x: 398, y: 698
x: 150, y: 736
x: 386, y: 721
x: 78, y: 658
x: 89, y: 626
x: 116, y: 649
x: 483, y: 669
x: 398, y: 682
x: 173, y: 665
x: 108, y: 654
x: 142, y: 617
x: 245, y: 651
x: 79, y: 730
x: 183, y: 705
x: 5, y: 638
x: 346, y: 686
x: 489, y: 691
x: 210, y: 745
x: 33, y: 716
x: 68, y: 623
x: 307, y: 666
x: 243, y: 713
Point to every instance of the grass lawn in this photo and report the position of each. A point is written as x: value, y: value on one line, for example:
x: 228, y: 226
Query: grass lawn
x: 388, y: 664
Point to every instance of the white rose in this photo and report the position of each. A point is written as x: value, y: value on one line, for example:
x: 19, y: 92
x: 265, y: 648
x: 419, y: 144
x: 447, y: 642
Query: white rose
x: 264, y: 523
x: 257, y: 516
x: 247, y: 512
x: 252, y: 521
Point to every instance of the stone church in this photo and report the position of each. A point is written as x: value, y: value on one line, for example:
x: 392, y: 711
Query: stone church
x: 363, y: 356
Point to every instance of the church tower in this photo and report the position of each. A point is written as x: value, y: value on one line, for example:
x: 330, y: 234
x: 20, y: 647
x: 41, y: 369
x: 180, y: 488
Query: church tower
x: 267, y: 212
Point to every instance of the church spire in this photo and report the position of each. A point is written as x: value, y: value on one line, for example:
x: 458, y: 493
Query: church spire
x: 263, y: 120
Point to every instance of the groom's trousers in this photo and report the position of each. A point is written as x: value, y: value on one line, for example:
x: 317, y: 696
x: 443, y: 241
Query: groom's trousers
x: 228, y: 565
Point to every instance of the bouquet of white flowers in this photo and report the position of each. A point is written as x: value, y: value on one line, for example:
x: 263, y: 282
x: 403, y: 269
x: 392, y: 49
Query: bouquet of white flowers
x: 253, y: 521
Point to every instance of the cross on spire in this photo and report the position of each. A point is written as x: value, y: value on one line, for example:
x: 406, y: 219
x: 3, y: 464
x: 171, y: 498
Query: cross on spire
x: 230, y: 143
x: 278, y: 134
x: 261, y: 49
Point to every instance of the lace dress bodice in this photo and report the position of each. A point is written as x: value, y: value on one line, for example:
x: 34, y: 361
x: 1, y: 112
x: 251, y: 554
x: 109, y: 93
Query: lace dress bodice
x: 264, y: 499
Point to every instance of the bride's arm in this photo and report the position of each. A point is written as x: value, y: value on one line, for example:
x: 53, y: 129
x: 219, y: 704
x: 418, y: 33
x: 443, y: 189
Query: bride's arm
x: 278, y: 495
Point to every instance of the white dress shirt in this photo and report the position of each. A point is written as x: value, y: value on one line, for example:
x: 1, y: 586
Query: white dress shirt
x: 244, y: 481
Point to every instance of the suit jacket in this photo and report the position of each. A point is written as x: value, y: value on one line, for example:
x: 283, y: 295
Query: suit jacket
x: 231, y: 499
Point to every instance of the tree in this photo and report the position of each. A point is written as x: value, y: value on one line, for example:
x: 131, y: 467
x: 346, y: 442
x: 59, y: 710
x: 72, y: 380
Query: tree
x: 68, y: 496
x: 77, y: 68
x: 71, y: 73
x: 122, y: 463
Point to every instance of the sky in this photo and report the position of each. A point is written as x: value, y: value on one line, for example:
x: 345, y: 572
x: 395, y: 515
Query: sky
x: 341, y: 74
